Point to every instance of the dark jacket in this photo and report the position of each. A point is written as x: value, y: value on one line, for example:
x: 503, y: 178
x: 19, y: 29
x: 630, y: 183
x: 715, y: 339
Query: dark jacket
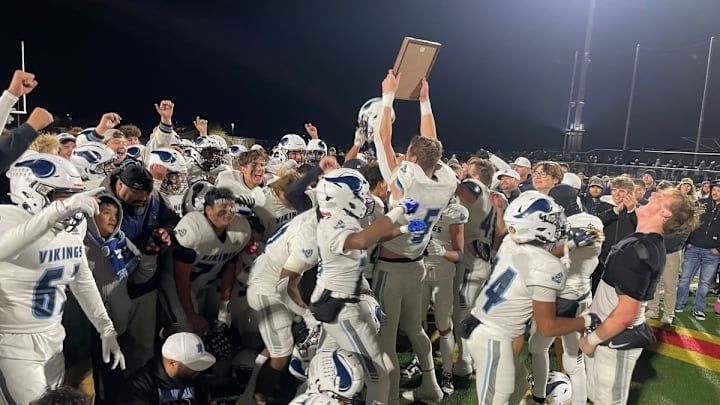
x: 12, y: 146
x: 616, y: 227
x: 707, y: 236
x: 152, y: 386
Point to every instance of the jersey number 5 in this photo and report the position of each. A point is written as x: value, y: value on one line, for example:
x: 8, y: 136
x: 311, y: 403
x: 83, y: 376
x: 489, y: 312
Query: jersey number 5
x: 431, y: 216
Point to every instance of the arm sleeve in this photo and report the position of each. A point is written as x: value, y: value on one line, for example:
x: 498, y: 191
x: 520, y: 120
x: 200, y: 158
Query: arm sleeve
x: 15, y: 144
x: 183, y: 254
x: 161, y: 138
x: 88, y: 296
x: 295, y: 191
x: 381, y: 156
x: 14, y: 239
x: 608, y: 216
x: 7, y: 101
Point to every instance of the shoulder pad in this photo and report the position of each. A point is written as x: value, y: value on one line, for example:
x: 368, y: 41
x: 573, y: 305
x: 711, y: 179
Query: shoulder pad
x: 547, y: 272
x: 456, y: 213
x: 189, y: 229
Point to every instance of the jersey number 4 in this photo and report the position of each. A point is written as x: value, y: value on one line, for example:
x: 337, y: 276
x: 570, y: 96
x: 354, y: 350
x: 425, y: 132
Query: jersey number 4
x: 495, y: 292
x: 44, y: 298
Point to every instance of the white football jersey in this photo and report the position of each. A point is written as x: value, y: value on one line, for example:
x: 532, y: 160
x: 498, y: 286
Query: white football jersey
x: 33, y: 283
x: 505, y: 301
x: 195, y: 232
x: 433, y: 196
x: 481, y: 225
x: 454, y: 213
x: 339, y: 270
x: 294, y: 248
x: 583, y: 260
x: 272, y: 213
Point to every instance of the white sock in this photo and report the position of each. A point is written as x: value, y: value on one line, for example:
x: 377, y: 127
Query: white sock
x: 447, y: 347
x: 259, y: 361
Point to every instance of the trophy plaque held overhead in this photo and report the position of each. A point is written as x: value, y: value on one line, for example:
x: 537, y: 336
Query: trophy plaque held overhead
x: 415, y: 61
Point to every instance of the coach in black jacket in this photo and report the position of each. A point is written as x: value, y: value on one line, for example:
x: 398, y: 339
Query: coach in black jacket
x: 171, y: 378
x: 619, y: 220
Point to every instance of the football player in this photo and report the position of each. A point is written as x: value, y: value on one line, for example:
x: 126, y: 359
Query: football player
x: 343, y: 199
x: 208, y: 246
x: 632, y: 270
x: 480, y: 230
x: 399, y: 270
x: 170, y: 175
x: 42, y: 254
x: 525, y: 281
x: 273, y: 283
x: 572, y: 300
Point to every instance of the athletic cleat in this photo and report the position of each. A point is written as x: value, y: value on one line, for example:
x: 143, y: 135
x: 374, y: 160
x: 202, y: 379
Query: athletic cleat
x: 423, y: 393
x: 411, y: 369
x: 463, y: 368
x: 446, y: 384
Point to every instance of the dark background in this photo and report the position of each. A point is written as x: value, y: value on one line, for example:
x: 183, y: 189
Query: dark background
x: 501, y: 80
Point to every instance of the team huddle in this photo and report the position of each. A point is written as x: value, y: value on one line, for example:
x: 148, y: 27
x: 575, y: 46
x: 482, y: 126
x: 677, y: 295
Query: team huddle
x: 212, y: 235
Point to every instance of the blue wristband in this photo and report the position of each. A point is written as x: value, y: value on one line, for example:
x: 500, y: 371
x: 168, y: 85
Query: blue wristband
x: 461, y: 255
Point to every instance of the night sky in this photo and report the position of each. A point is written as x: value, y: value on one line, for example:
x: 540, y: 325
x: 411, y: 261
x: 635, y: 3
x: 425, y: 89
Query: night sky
x: 501, y: 81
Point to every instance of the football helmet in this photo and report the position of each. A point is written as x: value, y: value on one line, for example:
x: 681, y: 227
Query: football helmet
x: 194, y: 199
x: 94, y: 160
x: 36, y: 180
x: 559, y: 389
x: 371, y: 307
x: 535, y: 217
x: 344, y: 189
x: 339, y: 372
x: 369, y: 118
x: 211, y: 151
x: 295, y: 144
x: 175, y: 181
x: 316, y: 150
x: 136, y: 152
x: 236, y: 150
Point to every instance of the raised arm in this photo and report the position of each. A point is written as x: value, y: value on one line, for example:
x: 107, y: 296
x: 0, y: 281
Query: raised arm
x: 383, y: 143
x: 427, y: 120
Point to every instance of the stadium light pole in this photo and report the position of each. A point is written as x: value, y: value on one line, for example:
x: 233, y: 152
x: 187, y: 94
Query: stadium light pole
x: 574, y: 133
x: 702, y: 104
x: 632, y: 94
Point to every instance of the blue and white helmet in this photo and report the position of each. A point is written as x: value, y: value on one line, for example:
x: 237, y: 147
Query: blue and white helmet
x: 369, y: 118
x: 372, y: 310
x: 339, y: 372
x: 94, y: 160
x: 344, y: 190
x: 211, y: 151
x: 534, y: 216
x: 36, y: 180
x: 175, y: 181
x: 236, y: 150
x: 136, y: 151
x: 293, y: 143
x: 559, y: 389
x: 316, y: 150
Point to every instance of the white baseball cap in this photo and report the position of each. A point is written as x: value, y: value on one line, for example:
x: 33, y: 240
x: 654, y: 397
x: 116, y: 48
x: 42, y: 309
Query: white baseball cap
x: 507, y: 172
x: 188, y: 349
x: 572, y: 180
x: 522, y: 161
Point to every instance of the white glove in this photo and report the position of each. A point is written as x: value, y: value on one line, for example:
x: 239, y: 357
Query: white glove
x: 224, y: 313
x: 359, y: 137
x: 84, y: 202
x: 110, y: 346
x: 434, y: 248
